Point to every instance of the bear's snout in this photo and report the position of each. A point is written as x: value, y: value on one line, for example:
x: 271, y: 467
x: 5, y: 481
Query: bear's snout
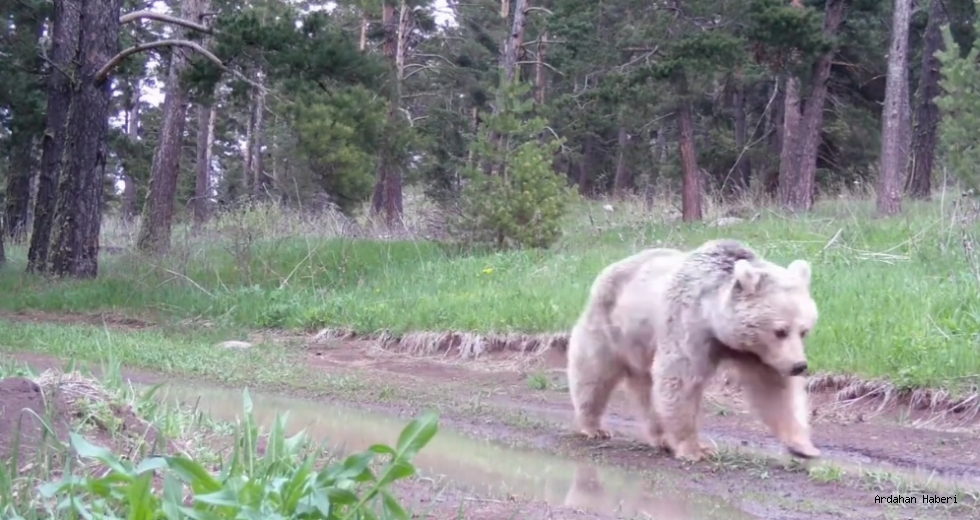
x: 798, y: 369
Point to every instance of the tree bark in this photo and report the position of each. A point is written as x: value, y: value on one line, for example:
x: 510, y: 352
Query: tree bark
x: 387, y: 194
x: 155, y: 228
x: 690, y: 174
x: 66, y: 35
x: 622, y: 180
x: 743, y: 169
x: 18, y: 189
x: 789, y: 157
x: 919, y: 182
x: 78, y: 211
x: 539, y: 75
x: 798, y: 189
x: 259, y: 181
x: 205, y: 141
x: 889, y: 199
x: 132, y: 132
x: 691, y: 189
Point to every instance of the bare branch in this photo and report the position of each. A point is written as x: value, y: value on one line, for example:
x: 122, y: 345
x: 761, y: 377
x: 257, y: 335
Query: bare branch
x: 417, y: 70
x: 118, y: 58
x: 437, y: 56
x: 165, y: 18
x: 532, y: 9
x: 553, y: 69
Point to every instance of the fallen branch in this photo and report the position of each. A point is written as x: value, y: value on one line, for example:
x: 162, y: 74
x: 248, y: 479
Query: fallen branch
x: 118, y: 58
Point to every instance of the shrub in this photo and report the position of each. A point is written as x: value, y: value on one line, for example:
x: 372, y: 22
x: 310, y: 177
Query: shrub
x: 522, y: 201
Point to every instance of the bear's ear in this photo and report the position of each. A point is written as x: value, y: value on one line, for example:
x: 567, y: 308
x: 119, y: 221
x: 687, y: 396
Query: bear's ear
x: 801, y: 268
x: 747, y: 277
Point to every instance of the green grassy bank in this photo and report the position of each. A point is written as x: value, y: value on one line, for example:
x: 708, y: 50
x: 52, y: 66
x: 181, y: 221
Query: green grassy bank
x: 899, y: 298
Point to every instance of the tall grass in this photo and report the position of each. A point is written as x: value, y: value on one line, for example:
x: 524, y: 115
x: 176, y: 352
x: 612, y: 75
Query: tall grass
x: 899, y: 298
x: 290, y: 477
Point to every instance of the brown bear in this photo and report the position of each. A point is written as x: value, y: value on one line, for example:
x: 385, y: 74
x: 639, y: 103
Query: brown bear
x: 663, y: 320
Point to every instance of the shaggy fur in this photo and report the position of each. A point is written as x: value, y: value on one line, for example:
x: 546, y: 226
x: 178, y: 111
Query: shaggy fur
x: 662, y: 320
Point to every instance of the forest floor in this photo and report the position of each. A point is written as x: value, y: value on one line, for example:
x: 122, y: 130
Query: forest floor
x: 506, y: 448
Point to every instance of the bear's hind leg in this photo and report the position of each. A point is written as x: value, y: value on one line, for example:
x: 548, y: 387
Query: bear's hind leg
x: 781, y: 403
x: 592, y: 376
x: 640, y: 386
x: 678, y: 388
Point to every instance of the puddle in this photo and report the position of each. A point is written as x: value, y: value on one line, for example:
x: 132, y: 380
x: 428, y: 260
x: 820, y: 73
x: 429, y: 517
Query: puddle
x: 485, y: 468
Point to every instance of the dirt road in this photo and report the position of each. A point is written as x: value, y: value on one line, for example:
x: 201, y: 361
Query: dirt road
x: 506, y: 446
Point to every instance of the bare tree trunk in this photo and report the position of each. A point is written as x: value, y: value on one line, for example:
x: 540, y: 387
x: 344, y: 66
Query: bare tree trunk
x: 388, y: 188
x: 206, y: 113
x: 919, y: 182
x: 539, y: 75
x: 691, y: 190
x: 247, y: 155
x: 364, y: 28
x: 66, y: 30
x: 622, y: 180
x: 798, y: 195
x: 512, y: 45
x: 155, y: 227
x: 132, y: 133
x: 584, y: 166
x: 889, y: 200
x: 18, y: 190
x: 789, y: 158
x: 775, y: 130
x: 259, y: 180
x: 78, y: 211
x: 743, y: 169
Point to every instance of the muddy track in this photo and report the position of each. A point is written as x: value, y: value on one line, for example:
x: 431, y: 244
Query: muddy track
x: 520, y: 402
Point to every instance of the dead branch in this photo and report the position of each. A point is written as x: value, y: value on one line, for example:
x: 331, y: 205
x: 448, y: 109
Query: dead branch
x: 418, y: 68
x: 553, y: 69
x: 118, y: 58
x: 165, y: 18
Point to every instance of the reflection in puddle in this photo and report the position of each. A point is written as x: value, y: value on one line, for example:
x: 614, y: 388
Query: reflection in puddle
x: 483, y: 467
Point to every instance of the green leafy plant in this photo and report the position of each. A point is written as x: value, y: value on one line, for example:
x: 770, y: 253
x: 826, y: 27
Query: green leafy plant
x: 283, y: 482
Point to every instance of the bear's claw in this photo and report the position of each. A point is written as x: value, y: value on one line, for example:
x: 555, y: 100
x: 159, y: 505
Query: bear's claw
x: 597, y: 434
x: 804, y: 452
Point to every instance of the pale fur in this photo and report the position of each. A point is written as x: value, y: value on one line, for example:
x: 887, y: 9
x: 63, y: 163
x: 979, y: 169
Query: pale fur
x: 718, y: 303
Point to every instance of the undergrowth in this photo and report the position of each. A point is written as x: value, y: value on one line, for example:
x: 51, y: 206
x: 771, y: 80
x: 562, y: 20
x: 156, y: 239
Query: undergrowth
x: 287, y: 477
x: 899, y: 298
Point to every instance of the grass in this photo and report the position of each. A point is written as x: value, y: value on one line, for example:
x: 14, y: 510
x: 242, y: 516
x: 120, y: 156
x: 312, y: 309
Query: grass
x: 899, y: 298
x: 290, y: 477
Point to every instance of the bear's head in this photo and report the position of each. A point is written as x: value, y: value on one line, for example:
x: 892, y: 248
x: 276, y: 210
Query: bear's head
x: 768, y: 312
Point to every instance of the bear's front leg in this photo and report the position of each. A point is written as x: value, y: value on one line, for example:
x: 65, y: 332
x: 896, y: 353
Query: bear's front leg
x: 678, y: 388
x: 781, y: 403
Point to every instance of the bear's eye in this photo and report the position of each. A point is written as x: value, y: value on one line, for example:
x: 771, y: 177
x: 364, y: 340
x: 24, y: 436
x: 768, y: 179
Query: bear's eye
x: 781, y: 333
x: 803, y: 333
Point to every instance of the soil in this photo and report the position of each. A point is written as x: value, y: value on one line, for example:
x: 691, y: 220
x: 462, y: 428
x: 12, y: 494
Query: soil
x: 26, y: 409
x: 518, y: 399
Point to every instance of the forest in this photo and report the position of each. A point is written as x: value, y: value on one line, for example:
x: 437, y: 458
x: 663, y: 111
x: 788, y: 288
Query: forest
x: 348, y: 106
x: 384, y: 217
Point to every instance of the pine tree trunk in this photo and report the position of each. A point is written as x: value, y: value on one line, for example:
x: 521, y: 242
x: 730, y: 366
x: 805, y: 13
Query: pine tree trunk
x: 66, y: 31
x: 18, y: 189
x: 691, y: 179
x: 132, y: 132
x: 743, y: 169
x: 889, y: 199
x: 919, y: 182
x: 789, y: 158
x: 78, y: 211
x: 155, y: 227
x: 387, y: 194
x: 205, y: 141
x: 622, y: 180
x: 797, y: 188
x: 259, y: 181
